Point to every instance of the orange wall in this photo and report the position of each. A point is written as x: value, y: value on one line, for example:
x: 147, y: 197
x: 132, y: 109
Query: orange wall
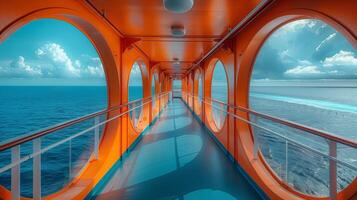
x: 238, y: 55
x: 117, y: 60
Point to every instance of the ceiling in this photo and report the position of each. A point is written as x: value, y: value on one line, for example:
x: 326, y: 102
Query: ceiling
x: 149, y: 21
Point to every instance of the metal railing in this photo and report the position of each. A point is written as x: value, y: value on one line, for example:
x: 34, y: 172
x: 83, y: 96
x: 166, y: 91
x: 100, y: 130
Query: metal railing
x: 37, y: 150
x: 330, y: 149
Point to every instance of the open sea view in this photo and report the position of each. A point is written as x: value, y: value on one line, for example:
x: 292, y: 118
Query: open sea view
x: 329, y: 108
x: 27, y: 109
x: 326, y: 105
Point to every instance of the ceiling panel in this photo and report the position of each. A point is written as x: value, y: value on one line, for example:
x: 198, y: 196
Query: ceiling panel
x: 149, y: 21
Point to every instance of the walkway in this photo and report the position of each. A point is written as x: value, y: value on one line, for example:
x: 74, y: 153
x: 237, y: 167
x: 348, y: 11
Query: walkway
x: 176, y: 159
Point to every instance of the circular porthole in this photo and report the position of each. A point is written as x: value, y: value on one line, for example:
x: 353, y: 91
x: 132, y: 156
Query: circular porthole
x: 50, y: 72
x: 198, y: 92
x: 135, y: 95
x: 219, y: 95
x: 306, y: 72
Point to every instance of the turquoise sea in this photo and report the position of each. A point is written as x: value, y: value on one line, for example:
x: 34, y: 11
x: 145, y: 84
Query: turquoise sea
x: 25, y: 109
x: 332, y: 109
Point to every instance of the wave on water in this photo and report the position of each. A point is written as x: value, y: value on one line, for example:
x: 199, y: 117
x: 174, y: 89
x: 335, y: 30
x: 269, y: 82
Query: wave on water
x: 310, y: 102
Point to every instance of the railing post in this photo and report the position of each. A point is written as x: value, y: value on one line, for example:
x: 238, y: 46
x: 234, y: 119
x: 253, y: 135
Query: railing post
x: 70, y: 160
x: 333, y: 170
x: 221, y: 115
x: 96, y: 138
x: 37, y: 169
x: 256, y: 145
x: 134, y: 116
x: 15, y: 173
x: 286, y: 160
x: 150, y: 106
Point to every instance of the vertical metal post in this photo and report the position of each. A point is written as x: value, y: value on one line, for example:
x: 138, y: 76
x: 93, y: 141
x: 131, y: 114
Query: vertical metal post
x: 333, y: 170
x: 133, y: 116
x: 70, y: 160
x: 221, y: 115
x: 15, y: 173
x: 37, y: 169
x: 256, y: 145
x: 286, y: 161
x: 96, y: 138
x: 151, y: 107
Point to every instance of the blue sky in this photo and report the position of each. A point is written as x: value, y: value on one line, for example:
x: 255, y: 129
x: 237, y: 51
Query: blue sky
x: 49, y: 52
x: 135, y: 78
x: 306, y: 49
x: 52, y: 52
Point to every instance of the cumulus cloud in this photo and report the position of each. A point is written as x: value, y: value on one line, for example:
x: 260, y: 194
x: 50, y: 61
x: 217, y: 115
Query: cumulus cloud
x: 92, y: 68
x: 62, y: 65
x: 19, y: 68
x: 306, y: 49
x: 303, y: 70
x: 52, y: 62
x: 342, y: 58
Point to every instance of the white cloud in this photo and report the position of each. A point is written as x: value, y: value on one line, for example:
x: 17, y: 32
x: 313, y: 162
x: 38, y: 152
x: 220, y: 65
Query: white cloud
x: 303, y: 70
x: 330, y: 37
x: 93, y: 68
x: 304, y: 62
x: 342, y: 58
x: 64, y: 66
x: 284, y: 55
x: 295, y: 26
x: 60, y: 60
x: 19, y: 69
x: 22, y: 66
x: 53, y: 62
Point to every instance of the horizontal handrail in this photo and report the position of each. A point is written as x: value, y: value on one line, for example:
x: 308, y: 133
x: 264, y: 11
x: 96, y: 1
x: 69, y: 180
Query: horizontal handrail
x: 295, y: 125
x: 27, y: 157
x: 26, y: 138
x: 320, y: 133
x: 286, y: 138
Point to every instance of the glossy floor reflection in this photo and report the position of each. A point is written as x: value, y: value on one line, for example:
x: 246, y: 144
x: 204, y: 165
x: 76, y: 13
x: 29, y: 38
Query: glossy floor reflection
x: 176, y: 159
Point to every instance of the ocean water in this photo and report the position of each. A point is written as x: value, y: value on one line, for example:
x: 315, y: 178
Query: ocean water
x: 27, y: 109
x: 331, y: 109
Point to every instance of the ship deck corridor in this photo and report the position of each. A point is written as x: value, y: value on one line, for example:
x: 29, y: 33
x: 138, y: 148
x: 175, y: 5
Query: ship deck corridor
x: 176, y: 159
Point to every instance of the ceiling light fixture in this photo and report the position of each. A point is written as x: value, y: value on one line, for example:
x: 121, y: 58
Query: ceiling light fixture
x: 178, y: 6
x: 178, y: 31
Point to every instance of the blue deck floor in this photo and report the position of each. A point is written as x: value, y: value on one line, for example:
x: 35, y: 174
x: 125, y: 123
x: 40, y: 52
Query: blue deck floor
x: 176, y: 159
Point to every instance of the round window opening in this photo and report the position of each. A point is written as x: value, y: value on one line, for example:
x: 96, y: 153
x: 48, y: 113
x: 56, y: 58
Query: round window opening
x: 306, y: 72
x: 50, y: 72
x: 200, y: 88
x: 198, y: 92
x: 153, y: 93
x: 135, y: 95
x: 219, y: 95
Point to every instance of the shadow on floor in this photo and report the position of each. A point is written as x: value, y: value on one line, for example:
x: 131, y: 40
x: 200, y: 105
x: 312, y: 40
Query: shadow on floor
x: 176, y: 159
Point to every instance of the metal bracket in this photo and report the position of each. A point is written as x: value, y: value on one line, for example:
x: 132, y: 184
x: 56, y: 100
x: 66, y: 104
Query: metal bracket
x: 228, y: 46
x: 128, y: 42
